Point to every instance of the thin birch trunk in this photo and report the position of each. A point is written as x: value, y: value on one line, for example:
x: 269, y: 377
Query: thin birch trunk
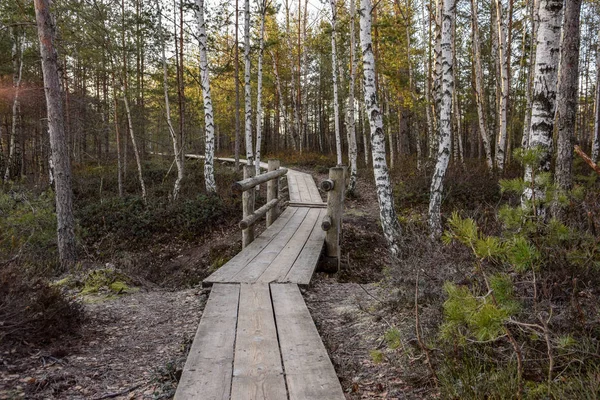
x: 259, y: 111
x: 445, y: 125
x: 17, y: 57
x: 58, y: 143
x: 237, y: 88
x: 544, y: 95
x: 209, y: 125
x: 479, y: 86
x: 118, y: 139
x: 437, y: 78
x: 503, y: 101
x: 535, y: 4
x: 334, y: 72
x: 566, y: 102
x: 352, y: 148
x: 363, y: 114
x: 133, y: 143
x: 280, y: 93
x: 247, y: 87
x: 176, y: 151
x: 387, y: 213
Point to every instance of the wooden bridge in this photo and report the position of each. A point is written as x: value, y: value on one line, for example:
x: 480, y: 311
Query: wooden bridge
x: 256, y: 339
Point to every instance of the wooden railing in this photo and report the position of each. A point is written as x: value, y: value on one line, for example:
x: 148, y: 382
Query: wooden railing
x: 247, y: 188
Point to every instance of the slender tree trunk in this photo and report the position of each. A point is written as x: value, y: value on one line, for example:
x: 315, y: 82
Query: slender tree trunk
x: 352, y: 148
x: 118, y: 139
x: 174, y: 140
x: 58, y: 145
x: 479, y: 92
x: 237, y: 87
x: 596, y: 139
x: 181, y: 86
x: 334, y: 72
x: 136, y: 152
x: 535, y: 4
x: 280, y: 93
x: 445, y: 126
x: 247, y: 87
x: 544, y: 92
x: 17, y: 57
x: 503, y: 92
x: 259, y: 110
x: 387, y: 213
x: 566, y: 102
x: 209, y: 126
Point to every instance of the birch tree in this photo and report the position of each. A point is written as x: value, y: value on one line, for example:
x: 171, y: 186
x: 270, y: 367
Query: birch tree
x: 445, y: 124
x: 503, y: 101
x: 17, y: 57
x: 352, y: 148
x: 58, y: 144
x: 136, y: 152
x: 247, y: 88
x: 566, y: 103
x: 176, y: 150
x: 544, y: 92
x: 533, y: 16
x: 387, y: 213
x: 479, y: 92
x: 596, y: 138
x: 209, y: 125
x: 334, y: 72
x: 259, y: 111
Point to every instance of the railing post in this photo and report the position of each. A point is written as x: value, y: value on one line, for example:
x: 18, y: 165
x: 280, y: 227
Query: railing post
x: 248, y: 206
x: 272, y: 193
x: 332, y: 223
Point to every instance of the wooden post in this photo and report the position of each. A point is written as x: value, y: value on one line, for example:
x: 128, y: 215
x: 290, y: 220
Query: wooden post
x: 272, y: 192
x: 248, y: 206
x: 335, y: 205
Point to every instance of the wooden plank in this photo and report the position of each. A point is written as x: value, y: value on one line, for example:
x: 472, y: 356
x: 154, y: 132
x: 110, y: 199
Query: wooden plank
x: 309, y: 372
x: 312, y: 205
x: 257, y: 370
x: 240, y: 260
x: 312, y: 189
x: 280, y: 266
x: 303, y: 188
x: 255, y: 269
x: 304, y: 266
x: 208, y: 370
x: 293, y: 191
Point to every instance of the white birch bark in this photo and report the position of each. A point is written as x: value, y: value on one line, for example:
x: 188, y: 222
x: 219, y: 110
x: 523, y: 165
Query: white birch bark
x: 479, y: 86
x: 437, y: 79
x: 334, y: 72
x: 247, y: 88
x: 387, y: 213
x: 259, y: 111
x: 535, y: 4
x: 503, y: 101
x: 176, y: 151
x: 209, y: 123
x: 544, y: 93
x: 17, y: 57
x: 596, y: 139
x: 445, y: 124
x: 363, y: 114
x: 136, y: 152
x: 352, y: 150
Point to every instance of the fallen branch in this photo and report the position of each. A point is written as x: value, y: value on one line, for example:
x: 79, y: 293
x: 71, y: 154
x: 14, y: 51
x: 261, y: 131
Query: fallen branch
x: 121, y: 393
x: 588, y: 160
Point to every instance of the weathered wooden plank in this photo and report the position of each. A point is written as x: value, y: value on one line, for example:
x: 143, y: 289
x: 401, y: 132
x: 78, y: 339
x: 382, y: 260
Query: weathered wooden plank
x: 304, y: 266
x: 280, y: 266
x: 309, y: 372
x: 257, y: 370
x: 240, y: 260
x: 208, y: 370
x: 312, y: 189
x: 293, y: 191
x: 312, y: 205
x: 303, y: 188
x: 255, y: 269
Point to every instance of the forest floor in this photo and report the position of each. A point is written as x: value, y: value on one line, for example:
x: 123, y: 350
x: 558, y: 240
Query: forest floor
x: 133, y: 346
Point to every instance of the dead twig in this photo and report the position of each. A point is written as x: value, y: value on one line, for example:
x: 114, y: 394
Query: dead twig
x: 121, y: 393
x: 587, y: 159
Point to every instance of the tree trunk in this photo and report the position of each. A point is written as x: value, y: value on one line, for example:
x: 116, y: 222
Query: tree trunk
x: 237, y: 88
x: 566, y: 102
x: 247, y: 88
x: 58, y: 144
x: 479, y: 92
x: 334, y: 72
x: 133, y: 143
x: 352, y: 148
x: 259, y: 111
x: 544, y: 92
x: 596, y: 139
x: 387, y: 213
x: 535, y: 4
x: 209, y: 125
x: 176, y: 150
x: 445, y: 125
x: 17, y: 57
x: 503, y: 92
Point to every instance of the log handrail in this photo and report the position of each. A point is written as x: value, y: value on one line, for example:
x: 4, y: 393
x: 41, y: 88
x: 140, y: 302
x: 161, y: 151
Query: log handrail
x: 249, y: 183
x: 251, y: 219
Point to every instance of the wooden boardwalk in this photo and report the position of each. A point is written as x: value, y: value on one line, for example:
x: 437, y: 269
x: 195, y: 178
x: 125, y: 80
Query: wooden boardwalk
x: 256, y: 339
